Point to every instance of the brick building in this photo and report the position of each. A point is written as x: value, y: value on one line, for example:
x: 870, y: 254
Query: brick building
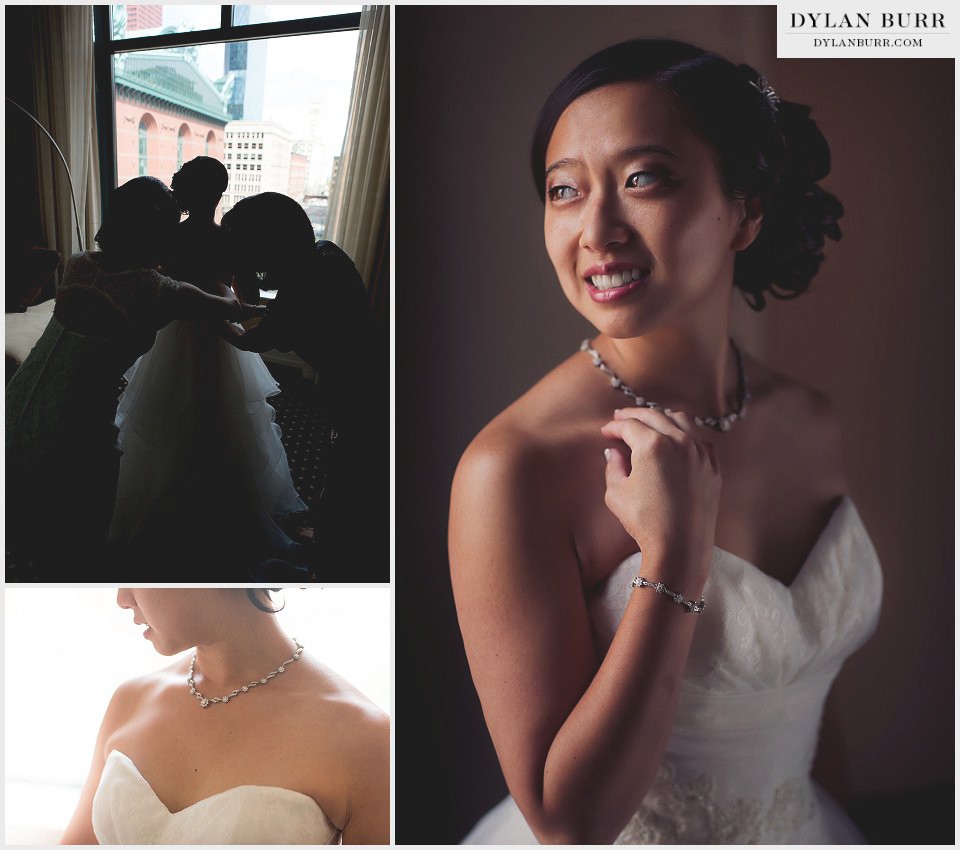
x: 167, y: 113
x: 299, y: 166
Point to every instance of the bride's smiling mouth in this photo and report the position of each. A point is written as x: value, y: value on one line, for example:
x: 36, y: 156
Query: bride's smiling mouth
x: 612, y: 281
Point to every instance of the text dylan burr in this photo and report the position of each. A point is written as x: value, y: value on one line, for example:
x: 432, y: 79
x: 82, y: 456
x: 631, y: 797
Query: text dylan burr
x: 864, y: 20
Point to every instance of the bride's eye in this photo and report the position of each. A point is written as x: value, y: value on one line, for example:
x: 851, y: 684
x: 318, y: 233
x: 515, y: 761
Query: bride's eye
x: 561, y: 193
x: 642, y: 179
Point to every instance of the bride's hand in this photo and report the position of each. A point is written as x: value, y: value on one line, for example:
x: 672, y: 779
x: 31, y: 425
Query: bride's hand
x: 252, y: 311
x: 663, y: 485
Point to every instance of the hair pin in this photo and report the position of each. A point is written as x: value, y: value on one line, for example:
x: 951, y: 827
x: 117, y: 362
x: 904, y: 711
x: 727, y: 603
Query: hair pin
x: 764, y: 87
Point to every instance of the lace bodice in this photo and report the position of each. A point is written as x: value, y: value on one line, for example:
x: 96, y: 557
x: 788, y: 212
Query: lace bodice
x: 126, y: 810
x: 736, y: 769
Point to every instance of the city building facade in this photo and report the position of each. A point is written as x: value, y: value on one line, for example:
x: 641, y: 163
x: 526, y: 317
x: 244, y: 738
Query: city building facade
x: 167, y: 112
x: 259, y: 158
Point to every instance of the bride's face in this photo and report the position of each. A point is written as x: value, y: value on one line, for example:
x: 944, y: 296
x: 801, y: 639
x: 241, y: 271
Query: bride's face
x: 176, y: 618
x: 637, y: 225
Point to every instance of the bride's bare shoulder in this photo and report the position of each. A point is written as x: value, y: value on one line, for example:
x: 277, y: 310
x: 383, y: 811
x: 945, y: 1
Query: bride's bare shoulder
x: 345, y: 731
x: 150, y: 685
x: 138, y: 693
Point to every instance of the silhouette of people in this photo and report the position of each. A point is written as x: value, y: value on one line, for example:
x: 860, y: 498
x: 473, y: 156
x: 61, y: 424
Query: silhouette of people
x: 61, y: 451
x: 321, y: 312
x: 203, y: 471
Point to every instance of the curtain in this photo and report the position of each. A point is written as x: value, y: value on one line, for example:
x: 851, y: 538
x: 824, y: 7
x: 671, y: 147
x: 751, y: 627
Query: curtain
x: 360, y: 196
x: 64, y: 84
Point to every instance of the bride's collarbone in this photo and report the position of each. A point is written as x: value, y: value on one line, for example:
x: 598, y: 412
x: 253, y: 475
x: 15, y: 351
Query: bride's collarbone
x: 187, y: 753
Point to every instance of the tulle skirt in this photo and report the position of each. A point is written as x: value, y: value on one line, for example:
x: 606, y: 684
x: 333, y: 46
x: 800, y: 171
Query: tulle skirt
x: 202, y: 458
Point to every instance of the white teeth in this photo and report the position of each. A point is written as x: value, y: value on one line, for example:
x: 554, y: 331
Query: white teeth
x: 611, y: 281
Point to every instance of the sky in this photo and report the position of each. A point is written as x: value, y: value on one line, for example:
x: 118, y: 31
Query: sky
x: 299, y: 69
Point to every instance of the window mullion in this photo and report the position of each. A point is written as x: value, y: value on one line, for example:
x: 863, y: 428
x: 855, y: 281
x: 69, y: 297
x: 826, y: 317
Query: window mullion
x: 106, y: 118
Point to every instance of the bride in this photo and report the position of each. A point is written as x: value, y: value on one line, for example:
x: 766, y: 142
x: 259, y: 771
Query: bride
x: 204, y: 475
x: 652, y: 650
x: 252, y: 741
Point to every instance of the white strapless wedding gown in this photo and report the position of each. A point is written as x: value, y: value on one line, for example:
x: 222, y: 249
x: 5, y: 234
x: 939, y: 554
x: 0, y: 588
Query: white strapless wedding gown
x: 737, y: 767
x: 201, y: 451
x: 127, y: 811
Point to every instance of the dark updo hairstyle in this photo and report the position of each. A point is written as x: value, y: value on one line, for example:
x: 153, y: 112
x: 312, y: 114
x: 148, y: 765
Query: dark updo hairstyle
x: 273, y: 220
x: 140, y: 222
x: 200, y: 183
x: 766, y: 148
x: 257, y: 595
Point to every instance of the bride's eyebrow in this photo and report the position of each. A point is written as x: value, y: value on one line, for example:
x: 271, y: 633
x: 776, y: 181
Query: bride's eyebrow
x: 626, y: 153
x: 648, y: 150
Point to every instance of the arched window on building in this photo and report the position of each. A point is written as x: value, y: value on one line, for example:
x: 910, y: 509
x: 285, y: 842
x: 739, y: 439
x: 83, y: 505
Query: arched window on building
x: 209, y: 141
x: 181, y: 136
x: 142, y: 134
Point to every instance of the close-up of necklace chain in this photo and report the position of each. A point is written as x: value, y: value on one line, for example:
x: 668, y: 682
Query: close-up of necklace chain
x: 721, y: 423
x: 207, y: 701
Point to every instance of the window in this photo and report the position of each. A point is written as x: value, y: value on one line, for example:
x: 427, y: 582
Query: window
x: 183, y: 134
x: 142, y: 142
x: 211, y: 92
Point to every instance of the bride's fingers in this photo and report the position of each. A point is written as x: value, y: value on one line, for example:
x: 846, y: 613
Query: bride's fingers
x: 655, y: 419
x: 681, y: 420
x: 618, y: 465
x: 686, y: 424
x: 638, y: 436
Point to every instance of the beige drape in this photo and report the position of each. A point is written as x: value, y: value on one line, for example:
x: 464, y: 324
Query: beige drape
x: 64, y: 83
x: 359, y: 196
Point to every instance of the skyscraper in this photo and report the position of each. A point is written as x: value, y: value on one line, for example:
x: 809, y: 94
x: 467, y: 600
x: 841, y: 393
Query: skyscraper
x: 245, y: 68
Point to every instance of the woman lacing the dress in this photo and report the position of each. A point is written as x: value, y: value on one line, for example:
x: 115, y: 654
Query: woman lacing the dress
x: 62, y: 457
x: 670, y: 178
x: 251, y: 741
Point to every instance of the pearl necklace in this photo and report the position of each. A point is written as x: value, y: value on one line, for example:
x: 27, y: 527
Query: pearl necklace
x: 722, y: 423
x: 205, y: 701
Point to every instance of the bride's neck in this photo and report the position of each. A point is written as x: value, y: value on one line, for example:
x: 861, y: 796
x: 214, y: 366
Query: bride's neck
x: 251, y: 646
x: 695, y: 372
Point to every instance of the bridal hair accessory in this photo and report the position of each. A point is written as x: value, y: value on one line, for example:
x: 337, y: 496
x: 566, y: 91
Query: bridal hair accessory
x: 722, y: 423
x: 205, y: 701
x: 689, y: 605
x: 764, y: 87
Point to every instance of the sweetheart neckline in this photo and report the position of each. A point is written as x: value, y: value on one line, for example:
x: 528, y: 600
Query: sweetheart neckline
x: 789, y: 587
x: 166, y: 808
x: 845, y: 500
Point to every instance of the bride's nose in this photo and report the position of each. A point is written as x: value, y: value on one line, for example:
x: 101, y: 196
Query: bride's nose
x: 603, y: 224
x: 124, y: 597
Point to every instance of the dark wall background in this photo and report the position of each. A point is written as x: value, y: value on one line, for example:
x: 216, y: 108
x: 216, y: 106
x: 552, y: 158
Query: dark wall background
x: 480, y: 318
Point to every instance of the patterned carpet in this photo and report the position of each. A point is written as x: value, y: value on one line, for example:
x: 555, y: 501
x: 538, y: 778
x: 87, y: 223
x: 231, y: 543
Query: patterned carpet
x: 306, y: 432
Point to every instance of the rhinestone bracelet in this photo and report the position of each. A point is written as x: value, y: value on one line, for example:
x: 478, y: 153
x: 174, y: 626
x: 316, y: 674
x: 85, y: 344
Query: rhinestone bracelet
x: 688, y: 605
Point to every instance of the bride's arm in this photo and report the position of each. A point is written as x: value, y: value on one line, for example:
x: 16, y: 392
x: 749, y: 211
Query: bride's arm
x: 186, y: 301
x: 579, y: 737
x: 80, y: 828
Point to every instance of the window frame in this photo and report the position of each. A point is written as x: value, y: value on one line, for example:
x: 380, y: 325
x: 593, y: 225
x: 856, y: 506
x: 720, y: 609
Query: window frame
x: 105, y: 47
